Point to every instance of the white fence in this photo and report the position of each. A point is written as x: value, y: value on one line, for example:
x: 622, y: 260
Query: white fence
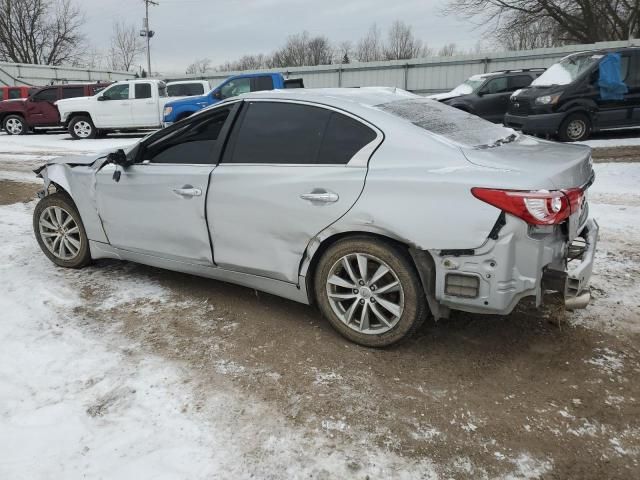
x: 424, y: 75
x: 22, y: 74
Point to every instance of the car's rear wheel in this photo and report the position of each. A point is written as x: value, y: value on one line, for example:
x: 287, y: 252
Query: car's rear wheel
x: 369, y: 291
x: 82, y: 127
x: 575, y: 127
x: 60, y: 232
x: 15, y: 125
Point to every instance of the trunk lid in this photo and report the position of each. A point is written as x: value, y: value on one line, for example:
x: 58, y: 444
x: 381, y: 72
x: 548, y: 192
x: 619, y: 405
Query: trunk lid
x: 539, y: 164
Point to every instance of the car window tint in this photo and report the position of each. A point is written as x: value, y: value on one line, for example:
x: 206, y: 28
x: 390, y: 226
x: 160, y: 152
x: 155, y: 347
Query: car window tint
x: 117, y: 92
x: 497, y: 85
x: 236, y: 87
x: 185, y: 90
x: 344, y: 137
x: 72, y: 92
x: 14, y: 93
x: 192, y: 144
x: 143, y: 90
x: 262, y: 83
x: 519, y: 81
x: 282, y: 133
x: 46, y: 95
x: 1, y: 94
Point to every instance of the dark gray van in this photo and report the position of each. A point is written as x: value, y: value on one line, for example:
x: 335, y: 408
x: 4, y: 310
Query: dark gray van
x: 583, y: 93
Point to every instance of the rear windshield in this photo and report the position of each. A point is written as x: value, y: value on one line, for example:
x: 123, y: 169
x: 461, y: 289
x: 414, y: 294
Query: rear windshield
x: 185, y: 89
x: 566, y: 70
x: 450, y: 123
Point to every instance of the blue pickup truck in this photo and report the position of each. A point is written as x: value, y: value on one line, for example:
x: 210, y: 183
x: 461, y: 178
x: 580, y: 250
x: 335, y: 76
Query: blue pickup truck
x: 232, y: 86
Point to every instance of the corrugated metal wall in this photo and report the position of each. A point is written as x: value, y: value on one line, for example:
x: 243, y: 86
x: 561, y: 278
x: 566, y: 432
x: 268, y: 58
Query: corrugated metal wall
x: 426, y: 75
x: 22, y: 74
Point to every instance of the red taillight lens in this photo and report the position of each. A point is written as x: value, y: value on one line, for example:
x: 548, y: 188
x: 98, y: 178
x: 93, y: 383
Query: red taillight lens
x: 539, y: 207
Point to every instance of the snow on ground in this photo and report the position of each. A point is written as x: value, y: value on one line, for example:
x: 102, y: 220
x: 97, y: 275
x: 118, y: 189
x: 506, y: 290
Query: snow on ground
x: 61, y: 143
x: 614, y: 138
x: 77, y: 405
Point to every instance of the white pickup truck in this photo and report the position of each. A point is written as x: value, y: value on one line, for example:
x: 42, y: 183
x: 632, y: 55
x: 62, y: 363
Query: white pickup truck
x: 125, y: 105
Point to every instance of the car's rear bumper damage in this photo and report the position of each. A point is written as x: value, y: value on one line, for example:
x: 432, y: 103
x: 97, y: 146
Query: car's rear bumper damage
x: 519, y: 261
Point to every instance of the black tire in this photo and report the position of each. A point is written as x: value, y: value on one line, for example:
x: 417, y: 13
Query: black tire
x: 81, y: 127
x: 64, y: 202
x: 575, y: 128
x: 397, y: 259
x: 15, y: 125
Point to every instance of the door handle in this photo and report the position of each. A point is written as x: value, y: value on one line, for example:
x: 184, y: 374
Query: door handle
x: 320, y: 196
x: 187, y: 191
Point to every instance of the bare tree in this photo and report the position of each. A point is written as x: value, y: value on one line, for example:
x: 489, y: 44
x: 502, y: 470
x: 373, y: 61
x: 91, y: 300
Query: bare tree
x: 40, y: 31
x: 369, y: 48
x: 541, y: 33
x: 125, y: 46
x: 401, y: 44
x: 301, y: 49
x: 448, y: 50
x: 200, y: 66
x: 320, y: 51
x: 582, y: 21
x: 344, y: 52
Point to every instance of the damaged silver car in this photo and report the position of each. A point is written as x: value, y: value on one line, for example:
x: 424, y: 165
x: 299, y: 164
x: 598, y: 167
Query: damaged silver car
x: 376, y: 205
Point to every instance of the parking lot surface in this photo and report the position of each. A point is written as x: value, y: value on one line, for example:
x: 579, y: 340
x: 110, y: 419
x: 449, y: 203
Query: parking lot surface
x: 159, y: 372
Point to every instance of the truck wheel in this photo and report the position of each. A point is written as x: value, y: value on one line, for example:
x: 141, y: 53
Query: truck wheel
x: 575, y: 127
x: 60, y: 232
x: 15, y: 125
x: 82, y: 127
x: 369, y: 291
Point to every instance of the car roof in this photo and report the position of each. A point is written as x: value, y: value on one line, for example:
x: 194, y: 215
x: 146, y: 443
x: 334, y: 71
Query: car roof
x: 336, y: 97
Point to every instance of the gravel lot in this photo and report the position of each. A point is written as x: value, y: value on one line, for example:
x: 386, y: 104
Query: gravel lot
x: 130, y: 370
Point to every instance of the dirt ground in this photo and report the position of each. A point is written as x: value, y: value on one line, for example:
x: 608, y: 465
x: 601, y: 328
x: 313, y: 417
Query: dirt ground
x: 477, y: 395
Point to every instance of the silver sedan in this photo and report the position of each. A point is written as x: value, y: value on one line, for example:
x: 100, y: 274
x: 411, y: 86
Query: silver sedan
x: 376, y: 205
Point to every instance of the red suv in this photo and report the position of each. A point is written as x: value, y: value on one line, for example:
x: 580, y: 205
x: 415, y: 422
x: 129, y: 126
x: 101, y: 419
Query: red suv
x: 20, y: 116
x: 11, y: 93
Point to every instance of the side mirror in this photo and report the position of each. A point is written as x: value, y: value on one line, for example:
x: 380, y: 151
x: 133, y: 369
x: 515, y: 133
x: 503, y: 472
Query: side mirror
x: 217, y: 94
x: 101, y: 98
x: 119, y: 158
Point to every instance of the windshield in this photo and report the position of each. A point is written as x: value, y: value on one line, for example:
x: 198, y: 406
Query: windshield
x: 450, y: 123
x: 468, y: 86
x: 567, y: 70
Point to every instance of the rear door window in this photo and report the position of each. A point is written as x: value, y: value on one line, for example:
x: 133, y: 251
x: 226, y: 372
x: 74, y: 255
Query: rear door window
x: 46, y: 95
x: 279, y: 133
x: 261, y: 83
x: 143, y: 90
x: 72, y: 92
x: 343, y: 138
x: 519, y: 81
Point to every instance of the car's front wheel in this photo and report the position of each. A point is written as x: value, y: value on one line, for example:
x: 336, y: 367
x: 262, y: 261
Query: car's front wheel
x: 575, y: 127
x: 60, y: 232
x: 82, y: 127
x: 369, y: 291
x: 15, y: 125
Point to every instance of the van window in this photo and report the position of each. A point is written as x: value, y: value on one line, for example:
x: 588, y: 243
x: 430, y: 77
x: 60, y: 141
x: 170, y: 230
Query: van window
x: 448, y: 122
x: 567, y: 70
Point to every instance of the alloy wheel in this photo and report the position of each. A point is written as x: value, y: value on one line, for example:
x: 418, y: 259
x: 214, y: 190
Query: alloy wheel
x: 60, y: 233
x: 13, y: 126
x: 82, y: 129
x: 365, y: 293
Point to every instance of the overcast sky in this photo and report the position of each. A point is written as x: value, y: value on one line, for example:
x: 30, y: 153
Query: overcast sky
x: 225, y: 29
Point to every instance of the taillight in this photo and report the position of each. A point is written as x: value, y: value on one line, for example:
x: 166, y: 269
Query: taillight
x: 538, y: 207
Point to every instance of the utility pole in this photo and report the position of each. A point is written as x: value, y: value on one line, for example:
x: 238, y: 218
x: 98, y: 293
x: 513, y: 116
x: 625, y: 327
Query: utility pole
x: 145, y: 32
